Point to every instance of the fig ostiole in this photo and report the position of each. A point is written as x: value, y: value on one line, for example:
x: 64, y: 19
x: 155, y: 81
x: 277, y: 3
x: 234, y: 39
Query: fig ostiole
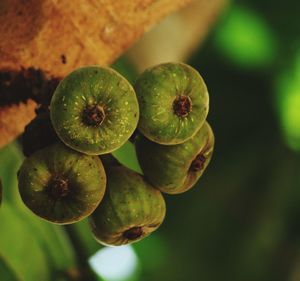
x: 174, y: 102
x: 175, y: 169
x: 61, y: 185
x: 131, y: 208
x: 94, y: 110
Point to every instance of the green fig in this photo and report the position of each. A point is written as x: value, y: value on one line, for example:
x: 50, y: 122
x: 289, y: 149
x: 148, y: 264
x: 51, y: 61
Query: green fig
x: 61, y: 185
x: 174, y: 102
x: 38, y: 134
x: 131, y: 208
x: 175, y: 169
x: 94, y: 110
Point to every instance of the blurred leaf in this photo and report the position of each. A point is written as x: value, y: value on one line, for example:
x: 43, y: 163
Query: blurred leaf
x: 153, y: 252
x: 6, y: 272
x: 127, y: 156
x: 1, y: 195
x: 85, y: 237
x: 287, y: 87
x: 53, y: 239
x: 273, y: 241
x: 21, y: 248
x: 10, y: 160
x: 245, y: 38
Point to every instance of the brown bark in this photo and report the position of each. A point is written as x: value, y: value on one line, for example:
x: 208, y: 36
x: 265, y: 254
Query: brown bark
x: 53, y: 37
x: 57, y: 36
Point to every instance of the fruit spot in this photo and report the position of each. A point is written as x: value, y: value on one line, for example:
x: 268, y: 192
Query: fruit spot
x: 58, y: 188
x: 93, y: 115
x: 182, y: 106
x: 133, y: 233
x: 198, y: 163
x: 63, y: 59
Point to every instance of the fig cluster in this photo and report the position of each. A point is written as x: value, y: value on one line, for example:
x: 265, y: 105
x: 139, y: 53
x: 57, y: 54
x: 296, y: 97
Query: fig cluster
x: 70, y: 174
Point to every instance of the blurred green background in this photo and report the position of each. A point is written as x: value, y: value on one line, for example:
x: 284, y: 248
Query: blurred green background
x: 242, y: 220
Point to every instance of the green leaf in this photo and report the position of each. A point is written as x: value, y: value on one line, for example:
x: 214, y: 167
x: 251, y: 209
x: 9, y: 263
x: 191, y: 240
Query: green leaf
x: 21, y: 248
x: 52, y: 238
x: 84, y: 237
x: 0, y: 192
x: 10, y: 160
x: 6, y: 271
x: 127, y: 156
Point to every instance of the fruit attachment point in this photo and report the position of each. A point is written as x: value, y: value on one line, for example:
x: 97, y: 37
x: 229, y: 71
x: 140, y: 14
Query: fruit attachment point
x: 182, y: 106
x: 93, y: 115
x: 133, y: 233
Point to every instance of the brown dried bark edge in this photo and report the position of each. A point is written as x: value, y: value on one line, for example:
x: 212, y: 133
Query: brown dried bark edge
x: 19, y: 86
x: 23, y: 94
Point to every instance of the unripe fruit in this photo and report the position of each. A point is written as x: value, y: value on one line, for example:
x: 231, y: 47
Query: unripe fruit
x: 173, y: 101
x: 131, y: 208
x: 94, y: 110
x: 175, y: 169
x: 60, y: 184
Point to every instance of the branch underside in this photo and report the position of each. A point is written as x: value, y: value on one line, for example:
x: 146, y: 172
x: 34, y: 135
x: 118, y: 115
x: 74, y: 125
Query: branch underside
x: 17, y: 87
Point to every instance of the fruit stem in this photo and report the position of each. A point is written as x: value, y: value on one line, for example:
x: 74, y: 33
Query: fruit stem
x: 182, y: 106
x: 85, y: 272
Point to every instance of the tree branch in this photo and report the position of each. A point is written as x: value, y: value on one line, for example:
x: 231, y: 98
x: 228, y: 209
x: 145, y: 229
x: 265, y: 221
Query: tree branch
x: 57, y: 36
x: 50, y: 38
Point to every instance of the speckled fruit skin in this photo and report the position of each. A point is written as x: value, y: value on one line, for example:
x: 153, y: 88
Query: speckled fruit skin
x: 85, y: 175
x: 88, y: 86
x: 169, y: 168
x: 129, y: 202
x: 157, y: 88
